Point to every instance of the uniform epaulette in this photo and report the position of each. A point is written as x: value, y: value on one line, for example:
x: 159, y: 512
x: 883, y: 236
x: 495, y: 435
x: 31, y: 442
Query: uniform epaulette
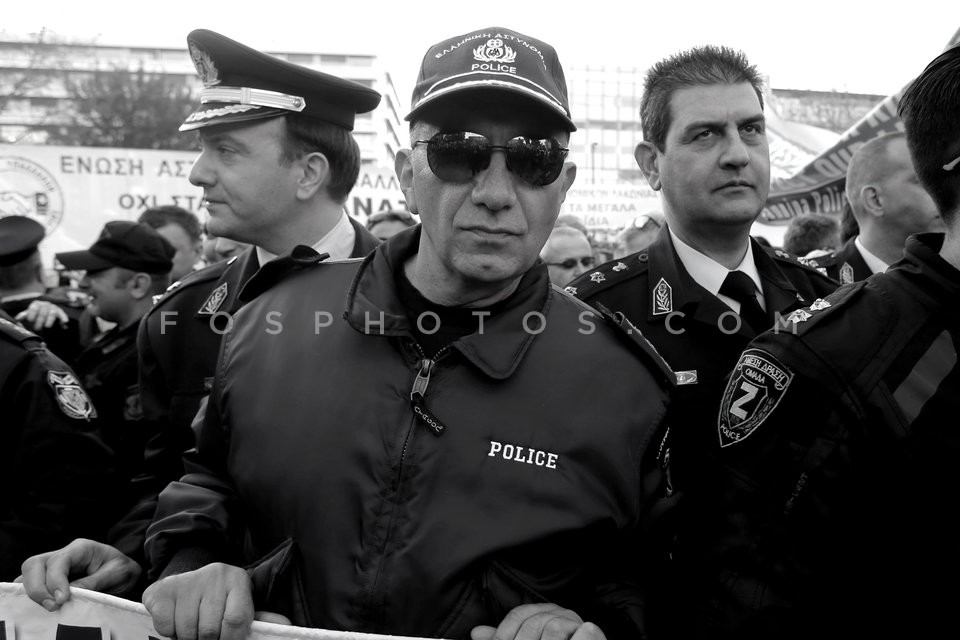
x: 809, y: 264
x: 803, y: 319
x: 206, y: 274
x: 15, y: 332
x: 608, y: 274
x: 639, y: 344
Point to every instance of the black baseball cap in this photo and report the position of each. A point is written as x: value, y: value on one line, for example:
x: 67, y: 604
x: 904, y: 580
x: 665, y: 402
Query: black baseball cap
x: 123, y: 243
x: 241, y: 84
x: 493, y: 59
x: 19, y: 237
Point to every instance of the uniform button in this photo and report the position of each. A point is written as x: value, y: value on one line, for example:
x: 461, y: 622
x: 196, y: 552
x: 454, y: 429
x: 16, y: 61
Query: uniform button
x: 642, y: 257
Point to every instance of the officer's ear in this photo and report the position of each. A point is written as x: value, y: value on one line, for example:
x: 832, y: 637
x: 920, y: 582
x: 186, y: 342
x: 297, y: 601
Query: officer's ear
x: 314, y: 176
x: 140, y: 285
x: 648, y: 159
x: 872, y: 198
x: 403, y: 164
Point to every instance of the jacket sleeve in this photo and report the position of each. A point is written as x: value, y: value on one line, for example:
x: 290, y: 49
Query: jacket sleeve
x: 58, y: 471
x: 197, y: 519
x: 764, y: 559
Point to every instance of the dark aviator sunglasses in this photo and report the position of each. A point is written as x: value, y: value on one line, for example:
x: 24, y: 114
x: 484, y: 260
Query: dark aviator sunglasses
x: 458, y: 156
x: 570, y: 263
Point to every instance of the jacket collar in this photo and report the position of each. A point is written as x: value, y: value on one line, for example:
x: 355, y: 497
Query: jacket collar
x: 940, y: 284
x: 496, y: 352
x: 225, y: 297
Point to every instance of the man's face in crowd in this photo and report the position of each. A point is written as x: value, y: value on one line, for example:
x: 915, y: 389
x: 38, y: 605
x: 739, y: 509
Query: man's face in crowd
x: 109, y: 298
x: 488, y: 230
x: 715, y: 166
x: 387, y: 229
x: 247, y: 190
x: 188, y: 251
x: 565, y: 247
x: 907, y: 206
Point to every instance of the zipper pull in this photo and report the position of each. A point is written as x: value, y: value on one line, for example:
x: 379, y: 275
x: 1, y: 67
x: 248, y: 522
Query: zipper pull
x: 416, y: 398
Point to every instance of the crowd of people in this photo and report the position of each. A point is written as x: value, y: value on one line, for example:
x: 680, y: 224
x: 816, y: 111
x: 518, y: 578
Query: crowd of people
x: 454, y: 421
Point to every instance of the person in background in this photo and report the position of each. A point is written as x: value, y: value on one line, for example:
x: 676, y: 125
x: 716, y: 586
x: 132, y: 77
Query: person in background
x: 812, y: 233
x: 840, y: 437
x: 277, y: 161
x: 464, y: 486
x: 55, y: 469
x: 22, y: 284
x: 216, y: 249
x: 703, y: 288
x: 567, y: 254
x: 638, y: 234
x: 124, y: 269
x: 384, y: 224
x: 888, y: 203
x: 182, y: 229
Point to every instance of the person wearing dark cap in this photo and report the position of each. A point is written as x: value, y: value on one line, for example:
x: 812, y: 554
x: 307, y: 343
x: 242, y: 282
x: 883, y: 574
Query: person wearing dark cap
x: 128, y: 264
x: 839, y: 519
x: 462, y: 485
x: 277, y: 162
x: 54, y: 466
x: 22, y: 284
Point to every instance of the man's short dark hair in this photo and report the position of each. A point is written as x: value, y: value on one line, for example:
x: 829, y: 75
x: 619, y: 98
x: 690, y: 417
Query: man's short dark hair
x: 308, y: 135
x: 930, y: 110
x: 700, y: 66
x: 811, y: 231
x: 157, y: 217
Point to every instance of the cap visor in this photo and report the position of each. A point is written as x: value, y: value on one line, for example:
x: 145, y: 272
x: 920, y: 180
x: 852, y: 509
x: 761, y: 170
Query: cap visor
x: 83, y: 261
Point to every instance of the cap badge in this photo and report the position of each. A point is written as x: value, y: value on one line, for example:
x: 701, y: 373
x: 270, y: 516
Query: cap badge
x: 207, y: 71
x: 213, y: 302
x: 846, y: 273
x: 662, y: 298
x: 73, y: 400
x: 494, y: 51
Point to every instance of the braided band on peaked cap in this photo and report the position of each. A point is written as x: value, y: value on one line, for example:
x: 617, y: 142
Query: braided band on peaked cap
x: 242, y: 84
x: 493, y: 59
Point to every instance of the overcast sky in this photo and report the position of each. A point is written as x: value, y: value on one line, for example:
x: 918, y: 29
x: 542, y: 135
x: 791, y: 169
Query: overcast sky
x: 842, y: 45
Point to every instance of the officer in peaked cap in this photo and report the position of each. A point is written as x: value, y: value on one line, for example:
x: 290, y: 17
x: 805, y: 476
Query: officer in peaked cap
x: 277, y: 163
x: 21, y: 284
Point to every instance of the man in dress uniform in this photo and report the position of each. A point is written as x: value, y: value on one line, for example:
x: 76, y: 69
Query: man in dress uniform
x: 704, y: 288
x: 888, y: 203
x: 21, y: 283
x: 54, y: 467
x: 460, y: 486
x: 840, y: 519
x: 276, y: 165
x: 128, y: 264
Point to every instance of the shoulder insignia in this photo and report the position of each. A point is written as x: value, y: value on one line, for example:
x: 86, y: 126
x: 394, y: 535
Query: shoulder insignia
x: 597, y: 277
x: 662, y: 298
x: 214, y: 300
x: 846, y: 273
x: 571, y: 290
x: 783, y: 254
x: 173, y: 286
x: 619, y: 266
x: 756, y: 386
x: 797, y: 317
x: 686, y: 377
x: 819, y: 304
x: 73, y: 400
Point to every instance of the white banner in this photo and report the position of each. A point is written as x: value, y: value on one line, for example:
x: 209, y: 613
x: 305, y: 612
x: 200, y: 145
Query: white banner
x: 89, y: 615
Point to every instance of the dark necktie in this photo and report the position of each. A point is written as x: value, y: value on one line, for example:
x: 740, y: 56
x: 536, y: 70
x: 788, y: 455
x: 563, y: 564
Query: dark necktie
x: 741, y: 288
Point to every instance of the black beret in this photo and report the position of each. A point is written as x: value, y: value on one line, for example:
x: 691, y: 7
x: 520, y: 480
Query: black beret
x: 19, y: 237
x: 241, y: 84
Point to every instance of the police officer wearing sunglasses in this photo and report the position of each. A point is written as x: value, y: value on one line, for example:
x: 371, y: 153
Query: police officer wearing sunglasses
x: 429, y: 474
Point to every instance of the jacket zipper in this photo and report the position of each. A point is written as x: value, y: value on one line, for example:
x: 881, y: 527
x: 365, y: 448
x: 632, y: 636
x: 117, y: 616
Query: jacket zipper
x: 420, y: 387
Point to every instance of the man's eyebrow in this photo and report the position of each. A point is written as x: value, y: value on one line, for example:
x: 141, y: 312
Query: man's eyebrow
x: 224, y: 137
x: 719, y: 124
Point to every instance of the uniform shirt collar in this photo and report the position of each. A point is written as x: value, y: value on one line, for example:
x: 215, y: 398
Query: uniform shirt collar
x: 338, y: 242
x: 710, y: 274
x: 875, y: 264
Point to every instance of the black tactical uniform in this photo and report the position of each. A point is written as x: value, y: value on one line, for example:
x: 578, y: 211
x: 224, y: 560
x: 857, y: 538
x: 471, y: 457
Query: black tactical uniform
x: 844, y: 443
x: 845, y: 265
x: 54, y: 467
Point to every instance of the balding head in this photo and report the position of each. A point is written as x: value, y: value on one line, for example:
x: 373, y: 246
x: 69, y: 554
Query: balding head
x: 567, y: 253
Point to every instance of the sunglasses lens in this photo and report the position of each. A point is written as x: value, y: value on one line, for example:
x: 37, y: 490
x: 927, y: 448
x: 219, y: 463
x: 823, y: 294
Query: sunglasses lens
x: 537, y: 161
x: 587, y: 261
x: 457, y: 157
